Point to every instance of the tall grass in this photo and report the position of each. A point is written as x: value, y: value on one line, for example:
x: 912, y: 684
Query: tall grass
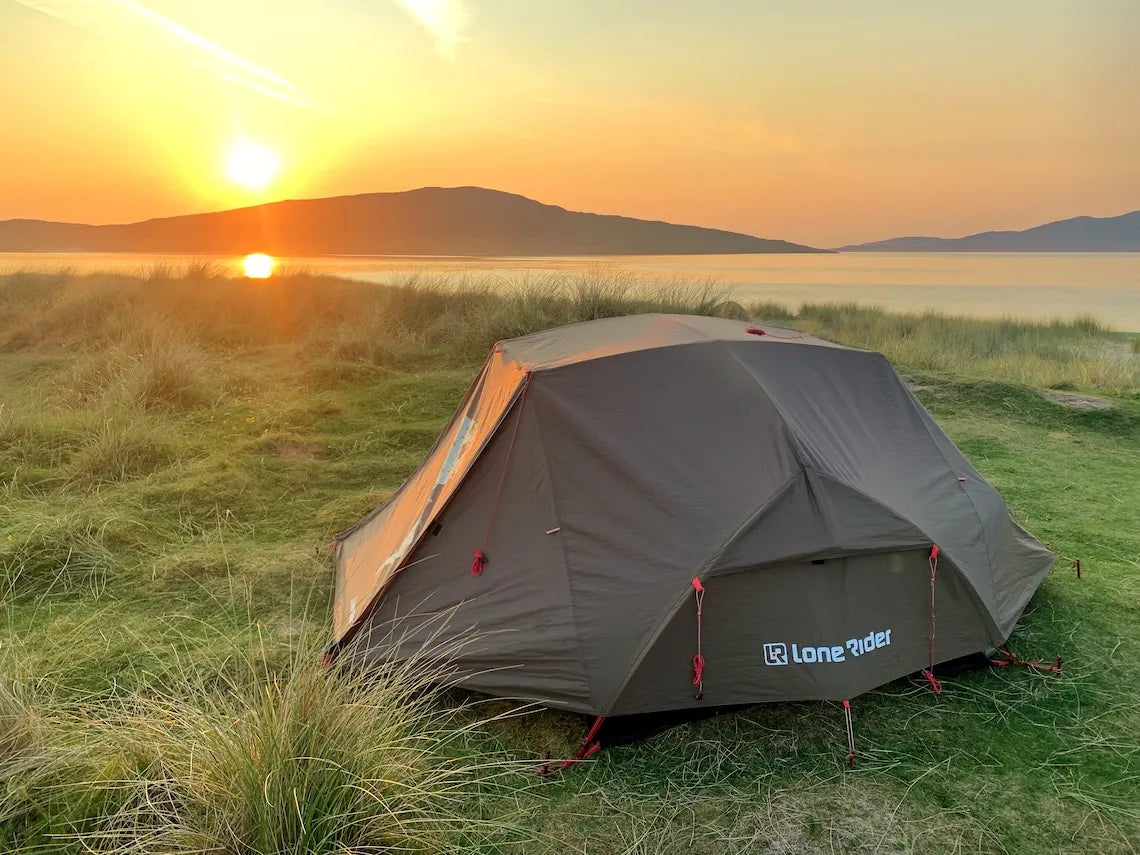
x: 309, y: 761
x: 1078, y: 352
x: 250, y: 760
x: 165, y: 341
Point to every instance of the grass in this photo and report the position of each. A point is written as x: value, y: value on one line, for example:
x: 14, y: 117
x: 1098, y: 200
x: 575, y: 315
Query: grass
x: 1076, y: 353
x: 297, y: 762
x: 177, y: 448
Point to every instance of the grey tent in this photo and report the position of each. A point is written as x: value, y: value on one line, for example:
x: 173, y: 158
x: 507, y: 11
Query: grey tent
x: 655, y: 512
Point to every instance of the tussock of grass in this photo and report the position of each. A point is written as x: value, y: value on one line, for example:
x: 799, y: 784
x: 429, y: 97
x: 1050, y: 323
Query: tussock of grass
x: 34, y: 761
x: 119, y: 449
x: 307, y: 763
x: 148, y: 367
x: 46, y: 553
x: 305, y: 760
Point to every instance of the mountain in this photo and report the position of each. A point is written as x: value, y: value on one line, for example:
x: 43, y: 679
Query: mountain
x: 1080, y: 234
x: 428, y: 221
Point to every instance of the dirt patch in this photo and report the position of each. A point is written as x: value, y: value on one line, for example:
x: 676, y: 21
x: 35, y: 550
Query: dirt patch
x: 1077, y: 402
x: 1060, y: 435
x: 291, y: 449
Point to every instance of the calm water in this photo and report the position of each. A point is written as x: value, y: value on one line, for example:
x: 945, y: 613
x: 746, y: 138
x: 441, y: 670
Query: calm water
x: 1040, y: 285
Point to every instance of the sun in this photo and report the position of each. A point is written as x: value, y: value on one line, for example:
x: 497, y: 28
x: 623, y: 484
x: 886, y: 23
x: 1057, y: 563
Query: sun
x: 258, y: 265
x: 251, y: 165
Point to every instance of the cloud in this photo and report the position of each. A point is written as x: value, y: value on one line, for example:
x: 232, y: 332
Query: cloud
x: 132, y: 22
x: 444, y: 19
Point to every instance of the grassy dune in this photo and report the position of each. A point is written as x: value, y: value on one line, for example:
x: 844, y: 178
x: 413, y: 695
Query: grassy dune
x: 176, y: 450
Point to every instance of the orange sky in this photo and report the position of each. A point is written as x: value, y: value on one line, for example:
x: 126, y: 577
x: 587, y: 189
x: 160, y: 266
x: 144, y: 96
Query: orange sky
x: 823, y: 122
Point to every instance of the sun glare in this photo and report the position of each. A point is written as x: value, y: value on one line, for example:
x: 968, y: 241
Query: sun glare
x: 258, y: 265
x: 251, y: 165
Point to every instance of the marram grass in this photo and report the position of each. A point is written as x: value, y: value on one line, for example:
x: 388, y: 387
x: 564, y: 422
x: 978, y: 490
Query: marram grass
x: 257, y: 761
x: 166, y: 341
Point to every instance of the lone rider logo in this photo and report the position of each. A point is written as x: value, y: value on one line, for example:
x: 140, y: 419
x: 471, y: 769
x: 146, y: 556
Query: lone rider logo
x: 775, y: 653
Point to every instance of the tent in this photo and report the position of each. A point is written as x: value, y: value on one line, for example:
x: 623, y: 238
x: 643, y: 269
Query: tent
x: 658, y: 512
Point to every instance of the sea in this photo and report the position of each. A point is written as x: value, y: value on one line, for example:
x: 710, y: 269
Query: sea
x: 1027, y: 285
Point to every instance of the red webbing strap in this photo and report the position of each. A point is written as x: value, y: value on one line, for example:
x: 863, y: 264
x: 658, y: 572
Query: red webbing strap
x: 588, y: 747
x: 699, y: 659
x: 1008, y: 658
x: 928, y: 672
x: 479, y: 556
x: 850, y: 734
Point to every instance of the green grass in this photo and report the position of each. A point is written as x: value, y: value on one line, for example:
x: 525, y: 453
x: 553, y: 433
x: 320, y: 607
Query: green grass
x: 177, y: 450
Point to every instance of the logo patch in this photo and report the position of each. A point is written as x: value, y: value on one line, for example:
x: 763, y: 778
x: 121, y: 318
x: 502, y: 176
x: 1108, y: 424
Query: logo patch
x: 775, y: 653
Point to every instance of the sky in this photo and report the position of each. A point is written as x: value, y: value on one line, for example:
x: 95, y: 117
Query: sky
x: 818, y: 121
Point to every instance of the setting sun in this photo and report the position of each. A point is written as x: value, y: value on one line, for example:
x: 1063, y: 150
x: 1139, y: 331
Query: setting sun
x: 251, y: 165
x: 258, y: 265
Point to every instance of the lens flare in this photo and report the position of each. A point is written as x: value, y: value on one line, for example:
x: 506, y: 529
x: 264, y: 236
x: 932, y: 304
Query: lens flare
x: 258, y: 265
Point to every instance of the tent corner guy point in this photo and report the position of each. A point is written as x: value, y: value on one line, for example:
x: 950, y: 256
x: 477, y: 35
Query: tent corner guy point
x: 655, y: 513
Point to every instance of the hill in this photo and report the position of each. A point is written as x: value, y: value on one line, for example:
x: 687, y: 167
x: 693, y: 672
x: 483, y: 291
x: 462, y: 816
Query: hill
x: 1079, y: 234
x: 427, y: 221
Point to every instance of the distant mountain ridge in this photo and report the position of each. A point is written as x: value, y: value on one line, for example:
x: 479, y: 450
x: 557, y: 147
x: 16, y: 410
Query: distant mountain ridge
x: 1079, y: 234
x: 427, y: 221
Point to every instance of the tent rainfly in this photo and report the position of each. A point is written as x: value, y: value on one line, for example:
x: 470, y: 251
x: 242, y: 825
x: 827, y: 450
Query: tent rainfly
x: 657, y: 512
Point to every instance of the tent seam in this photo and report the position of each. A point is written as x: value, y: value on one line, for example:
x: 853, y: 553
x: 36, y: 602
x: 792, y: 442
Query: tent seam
x: 671, y: 613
